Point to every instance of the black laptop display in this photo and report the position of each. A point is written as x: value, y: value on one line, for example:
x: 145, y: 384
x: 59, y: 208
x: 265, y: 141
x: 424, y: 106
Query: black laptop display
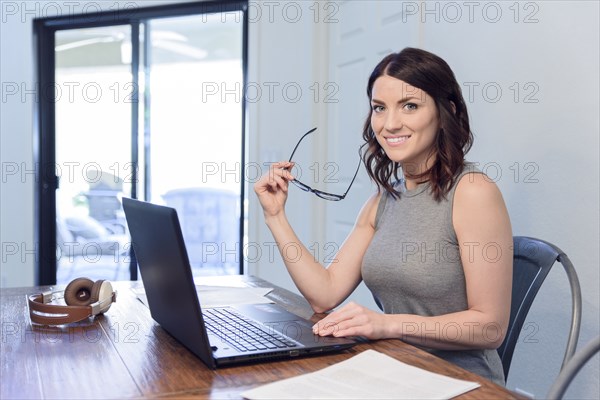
x: 221, y: 335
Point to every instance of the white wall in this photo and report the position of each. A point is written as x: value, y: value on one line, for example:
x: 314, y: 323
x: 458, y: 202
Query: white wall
x: 16, y: 144
x: 558, y: 54
x: 282, y: 55
x: 550, y: 138
x: 539, y: 136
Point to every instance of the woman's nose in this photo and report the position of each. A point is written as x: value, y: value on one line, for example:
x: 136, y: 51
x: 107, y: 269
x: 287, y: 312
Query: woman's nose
x: 393, y: 122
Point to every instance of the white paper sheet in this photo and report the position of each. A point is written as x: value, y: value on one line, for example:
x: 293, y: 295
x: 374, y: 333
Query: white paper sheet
x: 368, y: 375
x: 219, y: 296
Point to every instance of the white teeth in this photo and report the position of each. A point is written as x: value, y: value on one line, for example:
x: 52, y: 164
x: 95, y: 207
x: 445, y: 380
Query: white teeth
x: 397, y: 139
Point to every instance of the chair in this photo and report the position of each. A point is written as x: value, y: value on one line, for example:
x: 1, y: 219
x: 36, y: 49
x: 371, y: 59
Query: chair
x: 571, y: 369
x: 533, y: 259
x: 210, y: 223
x: 87, y: 247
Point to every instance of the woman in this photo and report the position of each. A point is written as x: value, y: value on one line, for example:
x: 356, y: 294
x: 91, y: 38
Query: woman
x: 434, y: 245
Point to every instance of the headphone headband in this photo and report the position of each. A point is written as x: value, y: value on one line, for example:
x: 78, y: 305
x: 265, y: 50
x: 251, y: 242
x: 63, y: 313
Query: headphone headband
x: 102, y: 296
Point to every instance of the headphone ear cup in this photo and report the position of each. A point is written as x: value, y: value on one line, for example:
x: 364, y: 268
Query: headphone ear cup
x: 103, y: 293
x: 96, y: 291
x: 79, y: 292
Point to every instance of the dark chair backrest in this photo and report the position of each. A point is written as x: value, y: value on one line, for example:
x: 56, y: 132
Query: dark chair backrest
x: 532, y: 261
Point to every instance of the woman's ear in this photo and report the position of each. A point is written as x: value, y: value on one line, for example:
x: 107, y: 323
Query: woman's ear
x: 453, y: 107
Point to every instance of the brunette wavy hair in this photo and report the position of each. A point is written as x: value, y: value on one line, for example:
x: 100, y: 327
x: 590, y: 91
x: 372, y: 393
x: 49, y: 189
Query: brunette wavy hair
x: 430, y: 73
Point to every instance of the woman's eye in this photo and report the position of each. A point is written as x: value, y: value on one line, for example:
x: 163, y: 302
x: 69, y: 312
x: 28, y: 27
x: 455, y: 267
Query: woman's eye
x: 410, y: 106
x: 377, y: 108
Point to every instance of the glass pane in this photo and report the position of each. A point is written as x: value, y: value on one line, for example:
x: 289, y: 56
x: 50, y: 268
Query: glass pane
x: 93, y: 151
x: 195, y: 81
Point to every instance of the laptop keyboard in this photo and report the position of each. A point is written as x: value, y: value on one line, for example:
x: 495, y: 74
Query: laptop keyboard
x: 242, y: 333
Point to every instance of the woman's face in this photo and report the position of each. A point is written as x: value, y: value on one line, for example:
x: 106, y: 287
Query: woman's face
x: 405, y: 122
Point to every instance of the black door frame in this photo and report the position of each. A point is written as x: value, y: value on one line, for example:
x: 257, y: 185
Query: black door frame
x: 44, y: 150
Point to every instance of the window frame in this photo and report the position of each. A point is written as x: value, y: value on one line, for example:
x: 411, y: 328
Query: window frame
x: 44, y: 123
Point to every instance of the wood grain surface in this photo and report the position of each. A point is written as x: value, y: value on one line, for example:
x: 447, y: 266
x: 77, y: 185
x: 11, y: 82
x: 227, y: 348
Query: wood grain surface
x: 126, y: 354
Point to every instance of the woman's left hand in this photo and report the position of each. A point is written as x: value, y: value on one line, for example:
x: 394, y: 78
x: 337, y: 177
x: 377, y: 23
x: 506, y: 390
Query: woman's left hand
x: 353, y: 320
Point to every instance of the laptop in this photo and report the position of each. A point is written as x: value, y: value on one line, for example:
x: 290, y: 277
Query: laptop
x: 219, y: 336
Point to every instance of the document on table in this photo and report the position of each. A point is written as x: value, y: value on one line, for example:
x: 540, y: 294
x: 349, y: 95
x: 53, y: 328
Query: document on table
x: 368, y: 375
x: 221, y: 296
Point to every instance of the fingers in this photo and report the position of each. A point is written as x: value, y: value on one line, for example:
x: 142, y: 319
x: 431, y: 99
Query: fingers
x: 347, y: 327
x: 338, y: 321
x: 282, y: 169
x: 352, y: 320
x: 277, y: 178
x: 285, y: 165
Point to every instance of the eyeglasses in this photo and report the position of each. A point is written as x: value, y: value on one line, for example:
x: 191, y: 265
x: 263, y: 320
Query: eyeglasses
x: 320, y: 193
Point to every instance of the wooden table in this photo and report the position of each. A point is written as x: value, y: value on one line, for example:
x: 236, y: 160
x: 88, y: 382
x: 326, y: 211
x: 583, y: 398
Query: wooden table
x: 124, y: 353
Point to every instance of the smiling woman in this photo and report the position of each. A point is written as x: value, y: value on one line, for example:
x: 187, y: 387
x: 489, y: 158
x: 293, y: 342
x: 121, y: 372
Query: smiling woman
x: 424, y: 98
x: 420, y: 242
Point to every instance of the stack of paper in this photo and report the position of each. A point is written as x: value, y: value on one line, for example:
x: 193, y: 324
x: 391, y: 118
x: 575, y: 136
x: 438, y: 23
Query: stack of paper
x: 221, y: 296
x: 368, y: 375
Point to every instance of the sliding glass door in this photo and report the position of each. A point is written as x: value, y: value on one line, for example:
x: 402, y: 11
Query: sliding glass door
x: 137, y: 110
x: 195, y: 133
x: 93, y: 151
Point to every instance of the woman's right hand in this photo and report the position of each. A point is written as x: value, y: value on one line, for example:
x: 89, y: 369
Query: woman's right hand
x: 272, y: 188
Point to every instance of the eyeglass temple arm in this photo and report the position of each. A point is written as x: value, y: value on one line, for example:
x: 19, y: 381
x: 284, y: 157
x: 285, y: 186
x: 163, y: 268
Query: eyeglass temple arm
x: 300, y: 141
x: 357, y: 169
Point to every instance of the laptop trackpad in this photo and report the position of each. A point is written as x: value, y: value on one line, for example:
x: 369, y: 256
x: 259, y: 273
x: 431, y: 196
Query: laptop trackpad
x: 266, y: 313
x: 277, y: 319
x: 280, y: 320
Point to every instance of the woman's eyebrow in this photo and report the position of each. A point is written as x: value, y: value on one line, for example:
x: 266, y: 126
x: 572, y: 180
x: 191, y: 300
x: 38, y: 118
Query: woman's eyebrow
x: 404, y: 100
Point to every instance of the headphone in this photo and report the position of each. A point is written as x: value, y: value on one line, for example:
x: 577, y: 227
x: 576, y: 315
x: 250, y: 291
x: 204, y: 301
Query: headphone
x: 84, y: 298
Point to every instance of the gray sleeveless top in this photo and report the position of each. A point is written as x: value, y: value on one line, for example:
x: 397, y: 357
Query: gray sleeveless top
x: 412, y: 266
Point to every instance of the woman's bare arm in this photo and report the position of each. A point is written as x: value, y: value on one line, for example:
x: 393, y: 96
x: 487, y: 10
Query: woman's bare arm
x: 324, y: 288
